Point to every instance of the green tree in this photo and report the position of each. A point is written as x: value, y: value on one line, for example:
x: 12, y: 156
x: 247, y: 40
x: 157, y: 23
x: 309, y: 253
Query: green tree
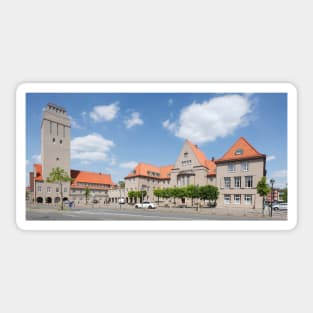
x: 192, y: 192
x: 263, y: 189
x: 285, y: 194
x: 157, y: 193
x: 121, y: 184
x: 131, y: 195
x: 87, y: 194
x: 210, y: 193
x: 58, y: 175
x: 181, y: 193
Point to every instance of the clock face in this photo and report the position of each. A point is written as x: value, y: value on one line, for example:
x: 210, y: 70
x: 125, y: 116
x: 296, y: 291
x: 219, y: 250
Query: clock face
x: 238, y: 152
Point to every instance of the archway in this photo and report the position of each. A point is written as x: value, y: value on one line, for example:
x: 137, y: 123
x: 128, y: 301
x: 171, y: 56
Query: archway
x: 39, y: 200
x: 65, y: 199
x: 48, y: 200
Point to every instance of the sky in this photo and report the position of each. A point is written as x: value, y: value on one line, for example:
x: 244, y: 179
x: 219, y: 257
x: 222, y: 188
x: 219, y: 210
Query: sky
x: 112, y: 132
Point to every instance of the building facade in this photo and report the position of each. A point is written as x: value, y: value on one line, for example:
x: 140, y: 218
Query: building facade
x: 55, y: 152
x: 236, y: 173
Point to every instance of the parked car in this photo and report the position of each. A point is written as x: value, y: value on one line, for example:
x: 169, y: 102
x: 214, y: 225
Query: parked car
x: 146, y: 204
x: 280, y: 206
x: 121, y: 201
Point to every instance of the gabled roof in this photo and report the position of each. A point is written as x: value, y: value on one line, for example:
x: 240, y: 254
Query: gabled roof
x: 198, y: 153
x: 147, y: 170
x: 90, y: 177
x: 201, y: 157
x: 241, y: 150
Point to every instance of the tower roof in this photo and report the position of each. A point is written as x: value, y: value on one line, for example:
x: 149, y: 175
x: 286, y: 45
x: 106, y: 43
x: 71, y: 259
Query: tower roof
x: 240, y: 150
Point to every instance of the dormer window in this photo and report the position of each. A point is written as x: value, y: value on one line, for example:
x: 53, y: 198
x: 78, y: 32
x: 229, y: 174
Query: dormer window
x: 238, y: 152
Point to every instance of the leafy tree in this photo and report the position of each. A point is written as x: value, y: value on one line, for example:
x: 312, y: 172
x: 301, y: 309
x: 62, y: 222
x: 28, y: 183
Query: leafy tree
x: 87, y: 194
x: 142, y: 194
x: 58, y: 175
x: 210, y: 193
x: 121, y: 184
x: 192, y: 192
x: 131, y: 195
x: 285, y: 194
x: 181, y: 193
x: 263, y: 189
x: 27, y: 194
x: 174, y: 192
x: 158, y: 193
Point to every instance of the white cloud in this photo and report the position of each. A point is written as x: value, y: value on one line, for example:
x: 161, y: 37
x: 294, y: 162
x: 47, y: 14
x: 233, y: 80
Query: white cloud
x: 170, y: 126
x: 113, y: 161
x: 74, y: 123
x: 218, y: 117
x: 104, y: 112
x: 36, y: 158
x: 270, y: 158
x: 133, y: 120
x: 92, y: 147
x: 129, y: 165
x: 279, y: 174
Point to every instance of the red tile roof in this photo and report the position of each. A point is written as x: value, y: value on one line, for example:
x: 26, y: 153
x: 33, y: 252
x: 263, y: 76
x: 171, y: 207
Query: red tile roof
x: 240, y: 150
x: 91, y: 178
x: 80, y: 177
x: 38, y: 172
x: 147, y: 170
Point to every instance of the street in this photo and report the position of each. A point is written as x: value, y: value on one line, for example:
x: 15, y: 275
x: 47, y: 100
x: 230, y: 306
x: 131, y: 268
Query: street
x: 130, y: 213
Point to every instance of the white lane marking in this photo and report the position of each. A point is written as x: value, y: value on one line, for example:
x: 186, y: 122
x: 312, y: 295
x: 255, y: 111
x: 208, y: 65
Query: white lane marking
x: 124, y: 214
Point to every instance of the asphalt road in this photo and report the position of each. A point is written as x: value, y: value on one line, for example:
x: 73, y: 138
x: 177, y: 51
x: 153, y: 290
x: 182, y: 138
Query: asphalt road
x: 88, y: 214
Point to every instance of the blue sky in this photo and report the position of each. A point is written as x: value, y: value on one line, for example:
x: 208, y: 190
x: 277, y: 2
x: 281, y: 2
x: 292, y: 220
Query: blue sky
x: 112, y: 131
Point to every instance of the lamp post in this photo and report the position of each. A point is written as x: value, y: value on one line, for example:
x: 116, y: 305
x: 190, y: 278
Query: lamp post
x: 272, y: 181
x: 120, y: 200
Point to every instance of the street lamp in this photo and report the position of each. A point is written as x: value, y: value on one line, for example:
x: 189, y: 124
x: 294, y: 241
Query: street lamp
x: 272, y: 181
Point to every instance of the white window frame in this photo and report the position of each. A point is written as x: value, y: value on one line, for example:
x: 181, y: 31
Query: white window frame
x: 246, y: 182
x: 244, y: 166
x: 236, y: 200
x: 238, y: 179
x: 226, y: 198
x: 248, y: 202
x: 225, y: 185
x: 49, y: 189
x: 231, y: 167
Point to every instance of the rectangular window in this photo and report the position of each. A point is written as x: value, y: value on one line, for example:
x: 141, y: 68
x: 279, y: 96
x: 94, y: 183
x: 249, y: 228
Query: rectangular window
x: 244, y: 166
x: 226, y: 199
x: 39, y: 188
x: 65, y: 189
x: 237, y: 199
x: 248, y: 199
x: 227, y: 182
x: 63, y: 131
x: 248, y: 182
x: 231, y: 167
x: 237, y: 182
x: 48, y: 189
x: 56, y: 189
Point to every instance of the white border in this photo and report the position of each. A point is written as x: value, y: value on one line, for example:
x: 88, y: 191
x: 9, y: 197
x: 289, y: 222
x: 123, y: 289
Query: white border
x: 156, y: 87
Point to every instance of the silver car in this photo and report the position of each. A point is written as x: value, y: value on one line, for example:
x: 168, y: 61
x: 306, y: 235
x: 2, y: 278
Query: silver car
x: 280, y: 206
x: 146, y: 205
